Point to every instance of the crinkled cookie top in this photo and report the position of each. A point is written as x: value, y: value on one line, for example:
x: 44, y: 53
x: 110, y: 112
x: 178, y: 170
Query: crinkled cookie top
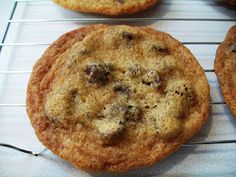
x: 119, y: 97
x: 108, y: 7
x: 120, y: 82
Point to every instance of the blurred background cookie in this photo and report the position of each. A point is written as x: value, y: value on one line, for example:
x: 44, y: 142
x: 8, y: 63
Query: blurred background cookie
x: 109, y: 7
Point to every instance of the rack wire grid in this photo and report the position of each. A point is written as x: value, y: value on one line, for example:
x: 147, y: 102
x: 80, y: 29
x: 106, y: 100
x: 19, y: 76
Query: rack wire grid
x: 34, y: 24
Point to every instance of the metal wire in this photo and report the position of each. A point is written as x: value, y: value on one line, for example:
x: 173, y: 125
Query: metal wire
x: 23, y: 44
x: 35, y: 44
x: 34, y: 153
x: 23, y: 150
x: 210, y: 142
x: 12, y: 105
x: 101, y: 20
x: 29, y: 72
x: 164, y: 2
x: 23, y: 105
x: 8, y: 25
x: 32, y: 0
x: 190, y: 144
x: 15, y: 72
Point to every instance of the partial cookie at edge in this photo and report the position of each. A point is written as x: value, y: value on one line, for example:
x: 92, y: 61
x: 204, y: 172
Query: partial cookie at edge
x: 225, y: 68
x: 116, y: 8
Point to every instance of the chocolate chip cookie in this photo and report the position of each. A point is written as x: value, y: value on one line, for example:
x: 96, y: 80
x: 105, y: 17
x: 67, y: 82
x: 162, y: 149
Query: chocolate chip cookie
x: 225, y: 68
x: 109, y: 7
x: 114, y: 98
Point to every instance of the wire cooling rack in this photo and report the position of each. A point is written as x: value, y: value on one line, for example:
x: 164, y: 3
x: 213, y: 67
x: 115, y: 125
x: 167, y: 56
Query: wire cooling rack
x: 34, y: 24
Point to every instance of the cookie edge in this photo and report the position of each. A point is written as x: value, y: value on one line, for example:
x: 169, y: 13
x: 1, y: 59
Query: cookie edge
x: 226, y: 91
x: 110, y: 11
x: 40, y: 71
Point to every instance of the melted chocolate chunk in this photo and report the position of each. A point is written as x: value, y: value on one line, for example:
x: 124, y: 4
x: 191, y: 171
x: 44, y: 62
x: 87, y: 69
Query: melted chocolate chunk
x: 121, y: 88
x: 128, y: 36
x: 98, y: 73
x: 126, y: 112
x: 132, y: 113
x: 159, y: 49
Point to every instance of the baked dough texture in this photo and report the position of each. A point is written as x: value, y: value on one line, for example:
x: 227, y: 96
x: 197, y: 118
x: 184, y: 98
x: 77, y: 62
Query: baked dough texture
x: 114, y: 98
x: 108, y: 7
x: 225, y: 68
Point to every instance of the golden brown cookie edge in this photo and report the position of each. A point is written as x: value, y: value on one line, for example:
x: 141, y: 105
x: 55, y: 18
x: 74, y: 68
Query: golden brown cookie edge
x: 110, y: 11
x: 222, y: 75
x: 42, y: 67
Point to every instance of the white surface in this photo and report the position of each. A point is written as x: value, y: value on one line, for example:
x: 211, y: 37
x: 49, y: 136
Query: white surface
x: 5, y: 13
x: 195, y: 22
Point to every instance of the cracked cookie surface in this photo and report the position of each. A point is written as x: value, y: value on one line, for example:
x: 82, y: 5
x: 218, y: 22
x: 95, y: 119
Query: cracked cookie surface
x: 113, y: 98
x: 108, y: 7
x: 225, y: 68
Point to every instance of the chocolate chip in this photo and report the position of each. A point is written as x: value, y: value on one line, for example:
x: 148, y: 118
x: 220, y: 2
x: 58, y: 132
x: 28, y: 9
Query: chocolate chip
x: 125, y: 111
x: 74, y: 94
x: 146, y: 83
x: 128, y: 36
x: 158, y: 49
x: 98, y: 73
x: 89, y: 69
x: 232, y: 47
x: 121, y: 88
x: 132, y: 112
